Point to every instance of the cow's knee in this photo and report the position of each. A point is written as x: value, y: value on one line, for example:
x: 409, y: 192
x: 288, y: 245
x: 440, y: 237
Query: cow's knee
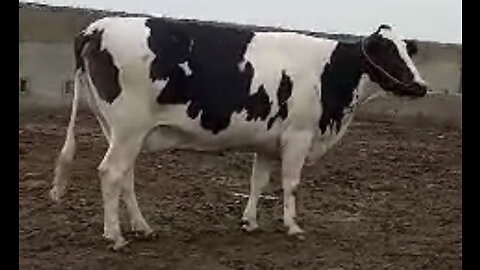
x: 111, y: 174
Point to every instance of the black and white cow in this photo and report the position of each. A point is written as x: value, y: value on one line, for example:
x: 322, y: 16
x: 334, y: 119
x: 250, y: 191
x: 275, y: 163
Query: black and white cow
x: 156, y: 84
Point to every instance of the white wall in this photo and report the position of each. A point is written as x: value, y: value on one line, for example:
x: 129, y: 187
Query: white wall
x: 46, y: 66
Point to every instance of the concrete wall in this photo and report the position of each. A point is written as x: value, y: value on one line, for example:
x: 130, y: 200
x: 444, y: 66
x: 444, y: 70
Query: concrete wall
x: 440, y: 65
x: 43, y: 23
x: 46, y: 67
x: 438, y: 109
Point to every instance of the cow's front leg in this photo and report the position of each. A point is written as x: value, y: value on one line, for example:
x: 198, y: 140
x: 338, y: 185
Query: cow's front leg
x: 258, y: 180
x: 294, y: 151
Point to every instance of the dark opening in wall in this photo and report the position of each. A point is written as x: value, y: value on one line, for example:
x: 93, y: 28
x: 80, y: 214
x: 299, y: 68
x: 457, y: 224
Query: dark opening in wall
x: 68, y: 87
x: 23, y: 85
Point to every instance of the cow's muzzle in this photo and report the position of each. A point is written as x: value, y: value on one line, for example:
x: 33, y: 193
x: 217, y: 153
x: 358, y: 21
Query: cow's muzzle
x: 415, y: 90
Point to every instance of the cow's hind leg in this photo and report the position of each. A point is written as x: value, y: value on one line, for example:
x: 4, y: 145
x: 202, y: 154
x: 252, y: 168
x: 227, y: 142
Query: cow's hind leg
x: 114, y: 172
x: 137, y: 221
x: 295, y: 147
x: 258, y: 180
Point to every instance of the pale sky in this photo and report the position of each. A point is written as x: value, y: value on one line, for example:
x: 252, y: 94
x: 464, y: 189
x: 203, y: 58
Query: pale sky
x: 433, y: 20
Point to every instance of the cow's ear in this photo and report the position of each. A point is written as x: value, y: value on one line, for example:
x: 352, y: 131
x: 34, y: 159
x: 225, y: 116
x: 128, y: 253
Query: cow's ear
x: 382, y: 27
x: 412, y: 47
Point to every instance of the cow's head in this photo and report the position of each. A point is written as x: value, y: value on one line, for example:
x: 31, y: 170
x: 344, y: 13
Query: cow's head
x: 387, y: 61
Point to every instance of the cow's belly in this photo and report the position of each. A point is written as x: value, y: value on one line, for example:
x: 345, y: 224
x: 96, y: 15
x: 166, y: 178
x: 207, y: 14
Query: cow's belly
x: 175, y: 130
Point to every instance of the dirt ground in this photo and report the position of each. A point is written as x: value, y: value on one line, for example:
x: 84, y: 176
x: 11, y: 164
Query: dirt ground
x: 388, y: 196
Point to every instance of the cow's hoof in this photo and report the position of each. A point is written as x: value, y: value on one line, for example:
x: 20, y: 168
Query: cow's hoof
x: 248, y: 226
x: 55, y: 194
x: 299, y: 236
x: 145, y: 236
x: 119, y: 246
x: 116, y: 243
x: 296, y: 233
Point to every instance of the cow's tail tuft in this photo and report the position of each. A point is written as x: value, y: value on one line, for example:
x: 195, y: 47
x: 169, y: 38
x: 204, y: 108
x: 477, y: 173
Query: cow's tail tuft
x: 65, y: 158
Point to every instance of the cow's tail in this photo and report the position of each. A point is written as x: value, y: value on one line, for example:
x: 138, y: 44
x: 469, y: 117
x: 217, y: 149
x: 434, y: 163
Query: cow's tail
x: 65, y: 158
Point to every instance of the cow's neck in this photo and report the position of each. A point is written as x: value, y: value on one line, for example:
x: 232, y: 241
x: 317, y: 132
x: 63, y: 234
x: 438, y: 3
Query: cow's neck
x: 340, y: 89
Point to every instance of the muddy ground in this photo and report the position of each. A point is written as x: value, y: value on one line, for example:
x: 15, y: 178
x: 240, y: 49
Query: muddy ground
x: 389, y: 196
